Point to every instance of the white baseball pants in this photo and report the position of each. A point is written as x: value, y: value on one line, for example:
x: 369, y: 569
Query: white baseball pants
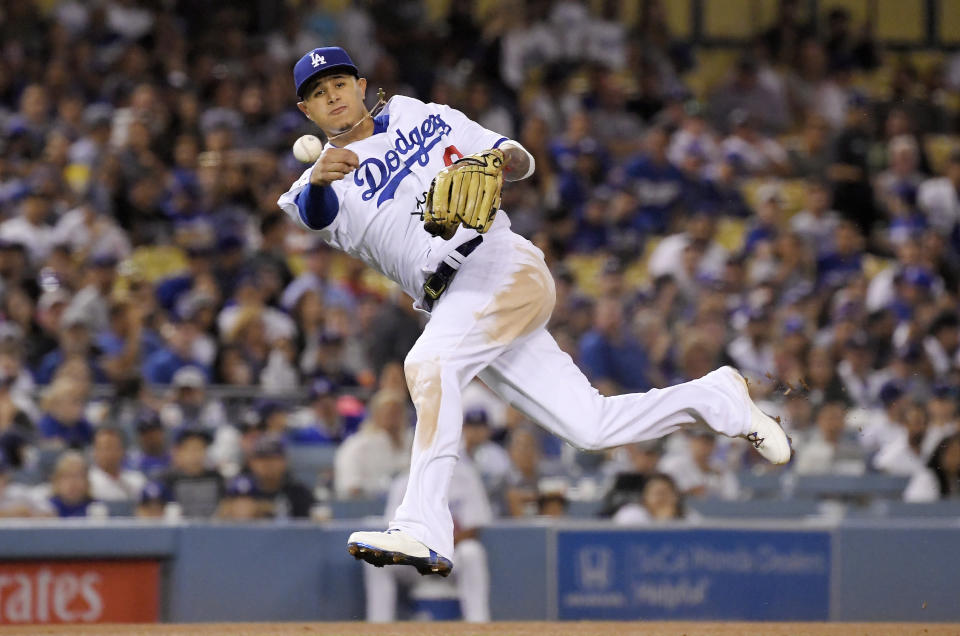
x: 491, y: 322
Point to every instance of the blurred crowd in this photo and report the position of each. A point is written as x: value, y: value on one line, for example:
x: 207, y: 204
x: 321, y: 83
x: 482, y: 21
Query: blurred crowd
x: 167, y: 336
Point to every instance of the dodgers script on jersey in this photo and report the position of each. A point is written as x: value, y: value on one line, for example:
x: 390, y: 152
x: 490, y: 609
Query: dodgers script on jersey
x: 377, y: 218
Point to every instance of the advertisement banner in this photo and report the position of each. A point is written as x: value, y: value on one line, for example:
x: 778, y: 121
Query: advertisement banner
x: 693, y: 574
x: 126, y: 591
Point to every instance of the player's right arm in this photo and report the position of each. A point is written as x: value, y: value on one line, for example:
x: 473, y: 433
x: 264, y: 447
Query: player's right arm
x: 312, y: 201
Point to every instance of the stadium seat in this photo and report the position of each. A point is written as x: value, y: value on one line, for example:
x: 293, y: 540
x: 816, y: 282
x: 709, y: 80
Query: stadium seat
x: 584, y: 509
x: 307, y: 461
x: 766, y: 485
x: 357, y: 508
x: 121, y: 508
x: 850, y: 487
x: 755, y: 509
x: 949, y: 508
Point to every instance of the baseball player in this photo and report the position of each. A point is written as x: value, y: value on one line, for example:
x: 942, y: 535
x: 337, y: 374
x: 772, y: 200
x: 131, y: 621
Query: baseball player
x: 414, y: 192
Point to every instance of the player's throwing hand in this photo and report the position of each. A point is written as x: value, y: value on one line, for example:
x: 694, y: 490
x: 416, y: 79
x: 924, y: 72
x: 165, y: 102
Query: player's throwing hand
x: 334, y: 164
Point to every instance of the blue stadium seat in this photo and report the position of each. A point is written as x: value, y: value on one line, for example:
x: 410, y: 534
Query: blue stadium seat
x: 307, y: 461
x: 755, y: 509
x: 584, y: 509
x: 120, y: 508
x: 762, y: 486
x: 358, y: 508
x: 849, y: 486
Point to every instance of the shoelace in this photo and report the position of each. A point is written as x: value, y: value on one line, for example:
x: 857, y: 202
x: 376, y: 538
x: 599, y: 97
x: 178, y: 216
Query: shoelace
x: 755, y: 439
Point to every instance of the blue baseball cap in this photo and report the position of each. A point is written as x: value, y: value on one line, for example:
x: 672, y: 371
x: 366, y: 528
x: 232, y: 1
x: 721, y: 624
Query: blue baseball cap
x: 321, y: 60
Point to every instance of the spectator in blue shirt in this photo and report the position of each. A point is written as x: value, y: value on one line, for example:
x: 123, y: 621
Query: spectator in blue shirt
x: 70, y: 486
x: 846, y: 259
x: 162, y: 364
x: 612, y: 358
x: 151, y: 457
x: 63, y: 423
x: 657, y: 183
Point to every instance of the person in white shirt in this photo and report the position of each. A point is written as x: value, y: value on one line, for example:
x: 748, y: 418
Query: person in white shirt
x: 941, y: 478
x: 29, y: 227
x: 471, y: 511
x: 817, y: 222
x: 829, y: 451
x: 903, y: 454
x: 368, y: 460
x: 491, y: 460
x: 109, y: 480
x: 697, y: 473
x: 939, y: 198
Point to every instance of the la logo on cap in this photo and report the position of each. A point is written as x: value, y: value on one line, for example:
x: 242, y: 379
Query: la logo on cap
x: 317, y: 59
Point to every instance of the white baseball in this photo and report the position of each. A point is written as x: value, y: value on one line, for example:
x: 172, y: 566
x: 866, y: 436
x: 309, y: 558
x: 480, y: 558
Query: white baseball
x: 307, y: 149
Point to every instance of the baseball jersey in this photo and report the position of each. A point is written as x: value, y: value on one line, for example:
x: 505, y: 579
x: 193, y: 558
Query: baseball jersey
x: 373, y: 213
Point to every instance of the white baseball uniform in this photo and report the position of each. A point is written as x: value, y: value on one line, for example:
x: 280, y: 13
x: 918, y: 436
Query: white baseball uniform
x: 491, y: 319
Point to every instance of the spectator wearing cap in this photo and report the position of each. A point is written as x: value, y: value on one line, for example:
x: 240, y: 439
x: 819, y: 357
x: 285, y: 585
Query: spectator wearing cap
x: 881, y: 426
x: 30, y: 227
x: 328, y: 360
x: 752, y: 152
x: 696, y: 470
x: 191, y: 484
x: 152, y: 501
x: 63, y: 424
x: 942, y: 344
x: 489, y: 458
x: 277, y: 494
x: 942, y: 414
x: 913, y: 288
x: 92, y: 299
x: 69, y: 487
x: 810, y: 155
x: 610, y: 355
x: 939, y: 198
x: 830, y: 450
x: 694, y: 133
x: 320, y: 419
x: 941, y: 479
x: 75, y: 341
x: 903, y: 453
x: 151, y: 457
x: 369, y: 459
x: 109, y: 480
x: 187, y: 401
x: 769, y: 217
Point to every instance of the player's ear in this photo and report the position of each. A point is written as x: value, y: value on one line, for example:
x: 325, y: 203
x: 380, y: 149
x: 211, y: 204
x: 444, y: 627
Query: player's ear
x: 303, y: 109
x: 362, y: 83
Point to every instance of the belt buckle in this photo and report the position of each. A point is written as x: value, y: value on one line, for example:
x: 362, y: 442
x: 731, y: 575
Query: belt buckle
x: 432, y: 293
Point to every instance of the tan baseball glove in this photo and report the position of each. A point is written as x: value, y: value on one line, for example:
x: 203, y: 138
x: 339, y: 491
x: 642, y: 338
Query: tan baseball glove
x: 467, y: 192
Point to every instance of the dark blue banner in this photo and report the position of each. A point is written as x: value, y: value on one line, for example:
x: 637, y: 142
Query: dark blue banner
x: 693, y: 574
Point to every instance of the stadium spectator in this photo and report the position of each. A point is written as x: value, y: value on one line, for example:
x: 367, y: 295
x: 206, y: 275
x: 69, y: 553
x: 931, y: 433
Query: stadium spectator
x: 319, y: 420
x: 938, y: 197
x: 109, y: 480
x: 69, y: 487
x: 368, y: 460
x: 15, y: 499
x: 151, y: 457
x: 190, y: 483
x: 941, y: 478
x: 660, y: 501
x: 489, y: 458
x: 696, y: 472
x: 523, y: 481
x: 610, y: 355
x: 830, y: 449
x: 62, y: 423
x: 152, y: 501
x: 903, y: 454
x: 942, y: 414
x: 277, y: 495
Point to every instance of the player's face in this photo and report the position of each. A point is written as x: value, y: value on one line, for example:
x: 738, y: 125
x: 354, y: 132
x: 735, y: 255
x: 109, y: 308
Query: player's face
x: 335, y: 102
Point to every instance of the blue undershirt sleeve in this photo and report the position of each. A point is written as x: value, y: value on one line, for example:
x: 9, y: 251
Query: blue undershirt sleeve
x: 318, y: 206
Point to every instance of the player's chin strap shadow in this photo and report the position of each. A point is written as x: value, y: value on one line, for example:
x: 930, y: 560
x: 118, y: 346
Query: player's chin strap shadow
x: 381, y: 102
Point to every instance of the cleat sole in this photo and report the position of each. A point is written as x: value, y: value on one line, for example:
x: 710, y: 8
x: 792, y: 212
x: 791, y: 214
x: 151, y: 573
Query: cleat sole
x: 380, y: 558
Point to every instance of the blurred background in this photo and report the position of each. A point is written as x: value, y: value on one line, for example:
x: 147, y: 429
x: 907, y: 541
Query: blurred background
x: 773, y: 184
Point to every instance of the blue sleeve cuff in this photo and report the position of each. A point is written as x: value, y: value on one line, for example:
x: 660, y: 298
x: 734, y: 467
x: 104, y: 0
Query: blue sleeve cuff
x: 499, y: 141
x: 318, y: 206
